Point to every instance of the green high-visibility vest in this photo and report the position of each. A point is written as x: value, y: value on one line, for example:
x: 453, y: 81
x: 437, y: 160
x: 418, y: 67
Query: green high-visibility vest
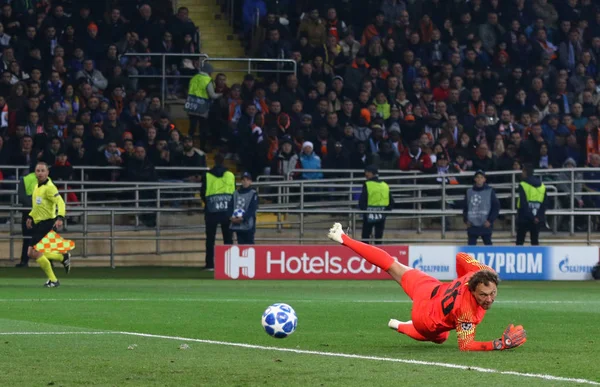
x: 220, y: 185
x: 30, y: 182
x: 198, y: 85
x: 219, y: 192
x: 378, y: 194
x: 533, y: 194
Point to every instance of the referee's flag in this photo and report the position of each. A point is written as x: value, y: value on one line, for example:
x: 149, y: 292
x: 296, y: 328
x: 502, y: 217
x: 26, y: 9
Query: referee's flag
x: 53, y: 242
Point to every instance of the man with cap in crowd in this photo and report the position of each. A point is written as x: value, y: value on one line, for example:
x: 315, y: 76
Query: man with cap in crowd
x: 481, y: 210
x: 531, y: 206
x: 200, y: 95
x: 217, y: 194
x: 243, y: 221
x: 375, y: 198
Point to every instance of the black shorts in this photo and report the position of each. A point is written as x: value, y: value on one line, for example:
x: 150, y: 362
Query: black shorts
x: 40, y: 230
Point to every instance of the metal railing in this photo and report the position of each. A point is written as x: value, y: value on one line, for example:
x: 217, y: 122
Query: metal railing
x: 299, y: 204
x: 163, y: 69
x: 160, y: 234
x: 293, y: 66
x: 422, y: 189
x: 83, y: 170
x: 250, y: 61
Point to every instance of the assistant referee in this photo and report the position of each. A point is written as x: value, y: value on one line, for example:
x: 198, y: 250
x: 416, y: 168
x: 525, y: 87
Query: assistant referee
x: 46, y: 203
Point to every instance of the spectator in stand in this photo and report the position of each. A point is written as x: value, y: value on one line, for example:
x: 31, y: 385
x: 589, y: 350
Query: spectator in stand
x: 414, y: 159
x: 141, y: 169
x: 314, y: 27
x: 386, y: 158
x: 191, y: 158
x: 309, y: 160
x: 92, y: 76
x: 286, y: 159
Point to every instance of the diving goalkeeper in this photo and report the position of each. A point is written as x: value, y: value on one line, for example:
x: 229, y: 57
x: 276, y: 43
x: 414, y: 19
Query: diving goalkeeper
x: 46, y: 202
x: 440, y: 307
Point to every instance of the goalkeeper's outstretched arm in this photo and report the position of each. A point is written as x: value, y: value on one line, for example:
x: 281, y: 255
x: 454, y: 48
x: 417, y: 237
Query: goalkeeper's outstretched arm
x: 511, y: 338
x: 466, y: 264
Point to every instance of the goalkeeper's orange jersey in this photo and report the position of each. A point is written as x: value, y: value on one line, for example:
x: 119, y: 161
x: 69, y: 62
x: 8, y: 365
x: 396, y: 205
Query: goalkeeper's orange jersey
x: 452, y: 303
x: 452, y: 306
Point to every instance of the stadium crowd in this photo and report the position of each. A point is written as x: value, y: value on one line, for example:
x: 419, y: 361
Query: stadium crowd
x: 69, y: 94
x: 434, y: 86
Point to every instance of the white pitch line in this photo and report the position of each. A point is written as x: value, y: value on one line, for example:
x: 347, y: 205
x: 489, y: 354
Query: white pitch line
x: 327, y: 354
x: 376, y: 358
x: 55, y: 333
x: 587, y: 302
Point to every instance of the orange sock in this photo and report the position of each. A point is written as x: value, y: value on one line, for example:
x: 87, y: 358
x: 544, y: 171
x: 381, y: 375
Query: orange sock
x: 373, y: 254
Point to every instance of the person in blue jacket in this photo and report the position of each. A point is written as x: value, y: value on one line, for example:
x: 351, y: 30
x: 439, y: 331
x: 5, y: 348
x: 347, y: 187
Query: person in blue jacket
x: 481, y: 210
x: 245, y: 202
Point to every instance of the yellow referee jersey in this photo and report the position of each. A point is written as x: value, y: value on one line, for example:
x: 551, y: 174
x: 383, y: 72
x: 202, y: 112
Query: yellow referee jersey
x: 45, y: 201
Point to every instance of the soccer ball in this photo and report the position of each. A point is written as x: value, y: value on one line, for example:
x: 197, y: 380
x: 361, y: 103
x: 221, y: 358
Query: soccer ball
x: 279, y: 320
x: 238, y: 213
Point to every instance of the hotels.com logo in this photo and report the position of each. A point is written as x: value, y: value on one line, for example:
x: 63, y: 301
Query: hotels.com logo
x: 298, y: 262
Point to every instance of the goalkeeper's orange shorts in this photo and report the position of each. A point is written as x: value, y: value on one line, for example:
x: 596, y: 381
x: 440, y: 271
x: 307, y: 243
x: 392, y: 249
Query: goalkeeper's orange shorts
x: 418, y: 285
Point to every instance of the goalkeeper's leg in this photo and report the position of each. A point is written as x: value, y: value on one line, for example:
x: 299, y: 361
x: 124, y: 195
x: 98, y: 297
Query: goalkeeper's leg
x: 373, y: 254
x: 408, y: 328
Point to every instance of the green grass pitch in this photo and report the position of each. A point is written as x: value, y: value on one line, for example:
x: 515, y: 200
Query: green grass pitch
x: 182, y: 306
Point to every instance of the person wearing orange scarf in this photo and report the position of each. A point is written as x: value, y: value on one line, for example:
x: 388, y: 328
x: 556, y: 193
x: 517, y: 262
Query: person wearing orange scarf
x: 592, y: 141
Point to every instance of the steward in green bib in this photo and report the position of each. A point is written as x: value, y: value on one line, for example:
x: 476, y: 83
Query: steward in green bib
x: 375, y: 198
x: 24, y: 192
x: 201, y: 92
x: 531, y: 206
x: 217, y: 193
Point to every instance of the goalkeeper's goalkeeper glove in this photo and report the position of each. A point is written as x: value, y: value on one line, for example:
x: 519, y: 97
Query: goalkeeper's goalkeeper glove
x: 512, y: 337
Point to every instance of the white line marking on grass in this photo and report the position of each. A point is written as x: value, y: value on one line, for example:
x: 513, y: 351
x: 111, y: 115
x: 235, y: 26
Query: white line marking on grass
x: 586, y: 302
x: 54, y: 333
x: 320, y: 353
x: 376, y: 358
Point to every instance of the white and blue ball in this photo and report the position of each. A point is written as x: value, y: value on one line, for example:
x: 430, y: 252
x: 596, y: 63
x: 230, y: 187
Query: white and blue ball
x: 238, y: 213
x: 279, y: 320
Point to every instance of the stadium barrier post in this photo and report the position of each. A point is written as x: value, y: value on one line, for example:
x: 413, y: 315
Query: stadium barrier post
x: 158, y: 221
x: 443, y: 219
x: 66, y: 197
x: 419, y: 207
x: 11, y: 234
x: 163, y: 80
x: 556, y: 207
x: 85, y: 225
x: 513, y: 205
x: 112, y: 239
x: 589, y: 230
x: 279, y: 200
x: 572, y: 217
x: 350, y: 188
x: 137, y: 205
x: 302, y: 212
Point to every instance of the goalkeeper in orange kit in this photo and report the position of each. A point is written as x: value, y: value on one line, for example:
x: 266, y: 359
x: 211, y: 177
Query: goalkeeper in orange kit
x: 440, y: 307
